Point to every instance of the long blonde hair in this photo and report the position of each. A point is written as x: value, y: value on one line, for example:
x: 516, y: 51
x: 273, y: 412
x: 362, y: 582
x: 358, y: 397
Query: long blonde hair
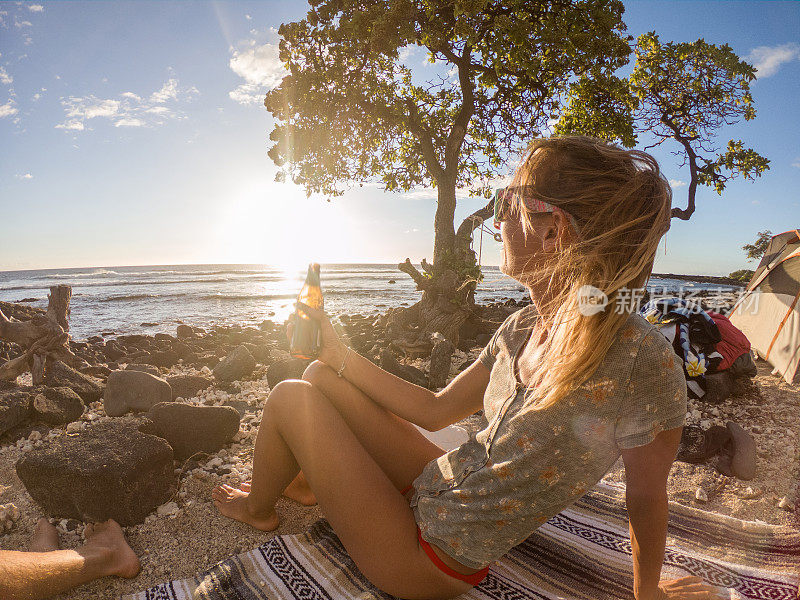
x: 622, y: 204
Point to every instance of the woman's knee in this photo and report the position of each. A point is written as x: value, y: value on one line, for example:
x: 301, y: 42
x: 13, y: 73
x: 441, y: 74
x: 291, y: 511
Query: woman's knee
x: 317, y: 373
x: 286, y: 393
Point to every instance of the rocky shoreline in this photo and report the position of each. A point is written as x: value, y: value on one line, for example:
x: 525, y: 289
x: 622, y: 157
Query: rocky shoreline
x: 216, y: 379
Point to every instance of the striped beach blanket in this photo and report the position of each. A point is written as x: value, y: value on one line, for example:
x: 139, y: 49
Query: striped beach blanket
x: 582, y: 553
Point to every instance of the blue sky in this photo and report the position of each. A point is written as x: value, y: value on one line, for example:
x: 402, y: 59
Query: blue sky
x: 133, y: 133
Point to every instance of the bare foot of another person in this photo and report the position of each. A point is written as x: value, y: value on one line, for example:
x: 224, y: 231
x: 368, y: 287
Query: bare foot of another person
x: 233, y: 504
x: 45, y: 537
x: 108, y: 536
x: 298, y: 490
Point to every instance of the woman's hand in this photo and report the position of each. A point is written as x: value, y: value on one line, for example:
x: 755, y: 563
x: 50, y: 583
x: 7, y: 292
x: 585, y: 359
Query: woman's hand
x: 690, y: 588
x: 332, y: 349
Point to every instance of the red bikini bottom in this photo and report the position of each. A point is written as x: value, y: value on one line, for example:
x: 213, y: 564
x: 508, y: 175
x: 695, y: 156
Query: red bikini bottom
x: 473, y: 579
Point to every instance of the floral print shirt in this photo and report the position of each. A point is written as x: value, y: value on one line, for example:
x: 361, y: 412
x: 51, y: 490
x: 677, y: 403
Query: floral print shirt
x: 481, y: 499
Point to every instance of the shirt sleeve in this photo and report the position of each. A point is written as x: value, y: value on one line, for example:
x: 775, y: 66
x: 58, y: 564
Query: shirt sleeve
x: 656, y: 397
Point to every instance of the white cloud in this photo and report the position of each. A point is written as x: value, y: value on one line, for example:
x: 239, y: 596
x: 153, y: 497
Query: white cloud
x: 129, y: 110
x: 8, y: 109
x: 71, y: 125
x: 5, y: 77
x: 130, y: 122
x: 768, y: 59
x: 261, y: 69
x: 35, y: 7
x: 676, y: 183
x: 36, y: 96
x: 796, y: 163
x: 25, y: 176
x: 248, y: 17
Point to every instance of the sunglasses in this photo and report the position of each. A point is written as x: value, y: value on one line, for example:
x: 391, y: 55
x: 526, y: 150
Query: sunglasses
x: 503, y: 198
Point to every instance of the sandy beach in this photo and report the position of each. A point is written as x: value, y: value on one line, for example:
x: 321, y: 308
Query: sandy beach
x: 187, y: 534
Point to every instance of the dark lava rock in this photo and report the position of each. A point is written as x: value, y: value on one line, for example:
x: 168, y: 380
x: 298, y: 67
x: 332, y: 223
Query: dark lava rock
x: 190, y: 429
x: 14, y: 408
x: 184, y: 332
x: 291, y: 368
x: 236, y: 365
x: 96, y: 371
x: 411, y: 374
x: 166, y: 359
x: 134, y: 390
x: 56, y: 405
x: 144, y: 369
x: 187, y: 386
x: 110, y: 471
x: 57, y: 374
x: 241, y: 406
x: 439, y: 369
x: 163, y: 337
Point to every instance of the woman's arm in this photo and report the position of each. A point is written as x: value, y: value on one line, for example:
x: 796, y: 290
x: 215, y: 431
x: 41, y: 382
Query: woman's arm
x: 429, y: 410
x: 646, y: 471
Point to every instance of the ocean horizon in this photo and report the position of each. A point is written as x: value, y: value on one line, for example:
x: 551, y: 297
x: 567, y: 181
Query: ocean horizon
x: 156, y: 298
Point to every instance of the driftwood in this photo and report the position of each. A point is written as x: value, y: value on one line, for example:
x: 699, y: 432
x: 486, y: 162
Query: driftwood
x: 44, y: 337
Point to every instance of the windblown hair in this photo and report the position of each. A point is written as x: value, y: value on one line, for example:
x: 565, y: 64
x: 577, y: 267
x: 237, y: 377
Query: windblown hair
x: 622, y: 205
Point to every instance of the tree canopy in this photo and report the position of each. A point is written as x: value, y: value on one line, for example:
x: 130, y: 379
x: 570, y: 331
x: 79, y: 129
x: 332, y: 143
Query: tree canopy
x: 683, y: 92
x: 351, y: 110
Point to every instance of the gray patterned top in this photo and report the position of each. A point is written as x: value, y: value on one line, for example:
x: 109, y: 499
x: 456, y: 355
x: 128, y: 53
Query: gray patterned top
x: 481, y: 499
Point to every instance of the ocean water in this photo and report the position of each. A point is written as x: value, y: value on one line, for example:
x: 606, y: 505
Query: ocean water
x: 152, y: 299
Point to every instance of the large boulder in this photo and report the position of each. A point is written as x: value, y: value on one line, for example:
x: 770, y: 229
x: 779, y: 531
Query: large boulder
x: 134, y: 390
x: 190, y: 429
x: 238, y: 364
x: 110, y: 471
x: 291, y: 368
x: 14, y: 408
x: 56, y: 405
x: 185, y: 332
x: 57, y: 374
x: 187, y: 386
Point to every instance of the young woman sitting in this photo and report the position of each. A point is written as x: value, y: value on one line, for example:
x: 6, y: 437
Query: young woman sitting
x: 566, y: 386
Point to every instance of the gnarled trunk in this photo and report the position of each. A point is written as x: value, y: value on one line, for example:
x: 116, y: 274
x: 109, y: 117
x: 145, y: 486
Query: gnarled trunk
x: 448, y: 286
x: 44, y: 337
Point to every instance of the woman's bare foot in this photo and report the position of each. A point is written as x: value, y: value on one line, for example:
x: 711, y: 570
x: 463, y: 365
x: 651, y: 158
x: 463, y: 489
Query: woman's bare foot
x: 45, y: 537
x: 108, y: 536
x: 298, y: 490
x: 233, y: 504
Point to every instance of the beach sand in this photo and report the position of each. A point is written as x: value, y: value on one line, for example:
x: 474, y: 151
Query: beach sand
x: 196, y: 536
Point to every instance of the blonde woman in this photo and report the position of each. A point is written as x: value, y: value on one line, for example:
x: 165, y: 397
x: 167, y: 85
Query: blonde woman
x: 566, y: 388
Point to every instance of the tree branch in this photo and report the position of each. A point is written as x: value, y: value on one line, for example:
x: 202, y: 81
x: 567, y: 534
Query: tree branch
x: 474, y: 221
x: 422, y: 282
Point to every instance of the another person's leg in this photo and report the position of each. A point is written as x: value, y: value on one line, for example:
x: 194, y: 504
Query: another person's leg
x: 301, y: 427
x: 46, y: 571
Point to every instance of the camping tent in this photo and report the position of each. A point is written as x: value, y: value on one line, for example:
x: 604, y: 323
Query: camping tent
x: 769, y: 312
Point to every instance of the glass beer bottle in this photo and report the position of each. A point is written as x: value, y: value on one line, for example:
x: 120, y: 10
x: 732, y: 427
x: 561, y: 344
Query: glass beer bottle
x: 307, y: 336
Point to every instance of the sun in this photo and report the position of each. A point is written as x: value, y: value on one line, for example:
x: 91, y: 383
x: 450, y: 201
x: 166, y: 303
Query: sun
x: 277, y: 225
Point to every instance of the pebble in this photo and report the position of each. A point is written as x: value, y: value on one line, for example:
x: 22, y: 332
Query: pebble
x: 701, y: 495
x: 750, y: 493
x: 165, y: 510
x: 75, y: 426
x: 9, y: 514
x: 785, y: 504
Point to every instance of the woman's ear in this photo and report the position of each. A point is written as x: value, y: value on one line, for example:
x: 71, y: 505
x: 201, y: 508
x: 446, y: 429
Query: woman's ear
x: 558, y: 233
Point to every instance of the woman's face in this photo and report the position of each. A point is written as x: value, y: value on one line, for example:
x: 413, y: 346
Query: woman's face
x: 522, y: 254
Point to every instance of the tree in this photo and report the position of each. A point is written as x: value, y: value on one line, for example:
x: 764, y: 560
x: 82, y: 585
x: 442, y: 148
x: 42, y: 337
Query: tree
x: 756, y: 250
x: 743, y: 275
x: 683, y: 92
x: 350, y: 110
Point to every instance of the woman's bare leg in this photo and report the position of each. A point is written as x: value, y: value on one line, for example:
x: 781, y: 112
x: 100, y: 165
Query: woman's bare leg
x: 395, y: 444
x: 34, y: 575
x: 301, y: 427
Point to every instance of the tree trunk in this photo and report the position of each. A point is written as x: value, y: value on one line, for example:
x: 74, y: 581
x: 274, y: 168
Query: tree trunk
x: 43, y: 338
x: 448, y: 288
